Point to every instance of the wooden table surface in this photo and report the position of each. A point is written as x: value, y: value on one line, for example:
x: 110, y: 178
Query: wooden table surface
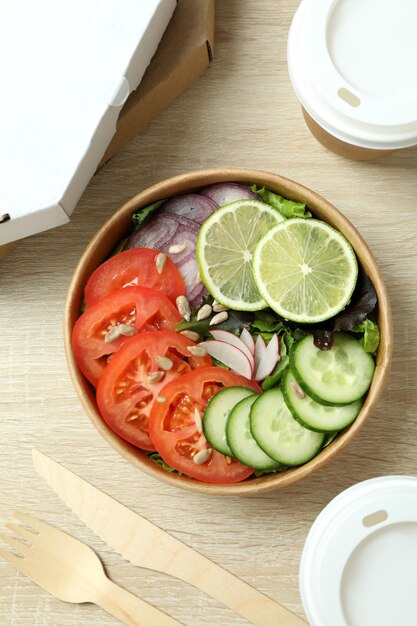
x: 242, y: 112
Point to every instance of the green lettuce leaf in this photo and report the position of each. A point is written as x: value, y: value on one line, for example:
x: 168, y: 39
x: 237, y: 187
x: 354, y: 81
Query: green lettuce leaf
x: 371, y: 335
x: 219, y: 363
x: 328, y: 439
x: 119, y: 247
x: 273, y: 379
x: 279, y: 468
x: 267, y: 323
x: 287, y: 208
x: 156, y: 458
x: 141, y: 217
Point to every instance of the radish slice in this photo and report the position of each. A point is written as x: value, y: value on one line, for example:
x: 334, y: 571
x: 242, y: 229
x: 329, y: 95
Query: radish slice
x: 227, y: 337
x: 247, y: 339
x: 260, y: 347
x: 269, y: 359
x: 226, y: 193
x: 229, y: 355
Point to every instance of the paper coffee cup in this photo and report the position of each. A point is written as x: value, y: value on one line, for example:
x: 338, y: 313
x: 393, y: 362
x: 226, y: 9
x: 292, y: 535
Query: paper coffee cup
x: 359, y: 563
x: 352, y: 64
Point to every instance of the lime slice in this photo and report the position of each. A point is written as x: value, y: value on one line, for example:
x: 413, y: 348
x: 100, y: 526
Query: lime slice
x: 305, y: 270
x: 225, y: 246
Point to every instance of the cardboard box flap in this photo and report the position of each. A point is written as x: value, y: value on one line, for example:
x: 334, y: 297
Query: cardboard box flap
x: 67, y: 68
x: 185, y: 52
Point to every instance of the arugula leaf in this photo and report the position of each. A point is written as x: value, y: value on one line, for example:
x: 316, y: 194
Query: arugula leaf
x: 371, y: 335
x: 141, y: 217
x: 287, y: 208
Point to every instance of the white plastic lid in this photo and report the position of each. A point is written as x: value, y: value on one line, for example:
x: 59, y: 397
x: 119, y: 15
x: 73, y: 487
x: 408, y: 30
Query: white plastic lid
x: 353, y: 66
x: 67, y: 67
x: 359, y: 564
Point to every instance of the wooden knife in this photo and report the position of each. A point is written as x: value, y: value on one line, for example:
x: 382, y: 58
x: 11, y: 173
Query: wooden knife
x: 145, y: 545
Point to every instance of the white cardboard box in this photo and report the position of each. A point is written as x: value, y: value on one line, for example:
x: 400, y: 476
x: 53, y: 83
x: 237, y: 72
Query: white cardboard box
x: 66, y: 68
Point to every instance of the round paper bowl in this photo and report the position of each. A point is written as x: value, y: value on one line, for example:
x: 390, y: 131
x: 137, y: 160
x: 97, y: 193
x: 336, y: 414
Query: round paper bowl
x: 120, y: 225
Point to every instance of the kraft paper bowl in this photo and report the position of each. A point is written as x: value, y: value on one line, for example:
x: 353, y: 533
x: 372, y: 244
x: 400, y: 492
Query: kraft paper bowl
x: 120, y: 225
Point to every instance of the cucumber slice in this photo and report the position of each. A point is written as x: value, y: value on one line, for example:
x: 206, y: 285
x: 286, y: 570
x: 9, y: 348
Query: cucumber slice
x: 340, y: 375
x: 278, y: 434
x: 313, y: 415
x: 216, y: 414
x: 240, y: 439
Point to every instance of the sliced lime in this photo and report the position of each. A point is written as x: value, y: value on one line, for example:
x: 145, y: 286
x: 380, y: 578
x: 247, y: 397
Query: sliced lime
x: 305, y: 270
x: 225, y: 246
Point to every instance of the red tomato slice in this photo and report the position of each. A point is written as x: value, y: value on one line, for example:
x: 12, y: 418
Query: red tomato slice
x: 134, y: 268
x: 124, y: 394
x: 142, y: 308
x: 173, y: 429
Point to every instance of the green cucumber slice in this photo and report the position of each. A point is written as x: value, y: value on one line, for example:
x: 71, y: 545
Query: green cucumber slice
x: 216, y: 414
x: 240, y: 439
x: 278, y: 434
x: 315, y: 416
x: 340, y: 375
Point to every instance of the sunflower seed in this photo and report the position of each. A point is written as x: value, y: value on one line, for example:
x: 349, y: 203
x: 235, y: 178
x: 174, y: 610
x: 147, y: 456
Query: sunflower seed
x: 155, y: 377
x: 197, y: 278
x: 201, y: 457
x: 177, y: 248
x: 197, y: 350
x: 164, y: 362
x: 198, y: 420
x: 112, y: 334
x: 160, y: 262
x: 297, y: 390
x: 132, y: 417
x: 127, y: 330
x: 190, y: 334
x: 183, y: 307
x: 219, y: 318
x: 161, y: 399
x: 218, y: 308
x: 204, y: 312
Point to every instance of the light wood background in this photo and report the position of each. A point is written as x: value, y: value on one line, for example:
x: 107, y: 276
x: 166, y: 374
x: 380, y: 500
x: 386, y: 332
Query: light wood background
x: 242, y: 112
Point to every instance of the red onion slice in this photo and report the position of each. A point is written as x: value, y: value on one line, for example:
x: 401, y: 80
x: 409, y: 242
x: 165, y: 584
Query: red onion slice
x: 226, y: 193
x: 193, y: 206
x: 163, y: 232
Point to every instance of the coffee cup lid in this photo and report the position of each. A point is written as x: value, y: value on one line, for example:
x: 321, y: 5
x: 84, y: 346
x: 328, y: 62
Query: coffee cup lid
x: 359, y: 561
x: 352, y: 64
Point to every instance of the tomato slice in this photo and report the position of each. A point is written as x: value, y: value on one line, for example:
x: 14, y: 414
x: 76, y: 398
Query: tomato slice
x: 140, y: 307
x: 124, y: 394
x: 134, y: 268
x: 173, y: 429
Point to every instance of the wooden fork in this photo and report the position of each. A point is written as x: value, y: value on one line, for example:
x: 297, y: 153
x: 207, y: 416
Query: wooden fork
x: 72, y: 572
